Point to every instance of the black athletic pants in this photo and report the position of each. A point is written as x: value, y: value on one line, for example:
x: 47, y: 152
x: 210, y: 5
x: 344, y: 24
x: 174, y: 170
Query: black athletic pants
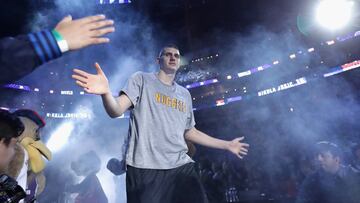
x: 178, y: 185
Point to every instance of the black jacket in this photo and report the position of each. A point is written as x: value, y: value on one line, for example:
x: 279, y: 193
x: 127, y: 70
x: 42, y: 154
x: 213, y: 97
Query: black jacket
x: 323, y: 187
x: 20, y: 55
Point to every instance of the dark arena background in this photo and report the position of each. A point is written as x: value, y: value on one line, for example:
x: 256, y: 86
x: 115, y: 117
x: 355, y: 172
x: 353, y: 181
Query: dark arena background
x: 265, y: 70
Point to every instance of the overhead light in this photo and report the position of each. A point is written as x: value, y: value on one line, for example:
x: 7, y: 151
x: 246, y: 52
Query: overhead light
x: 334, y: 14
x: 220, y: 102
x: 331, y: 42
x: 245, y: 73
x: 114, y: 1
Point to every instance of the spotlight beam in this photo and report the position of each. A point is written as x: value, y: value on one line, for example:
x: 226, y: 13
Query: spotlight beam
x: 334, y: 14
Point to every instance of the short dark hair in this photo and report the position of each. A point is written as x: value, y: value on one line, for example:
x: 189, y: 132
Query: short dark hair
x: 10, y: 126
x: 326, y: 146
x: 90, y: 162
x: 170, y: 45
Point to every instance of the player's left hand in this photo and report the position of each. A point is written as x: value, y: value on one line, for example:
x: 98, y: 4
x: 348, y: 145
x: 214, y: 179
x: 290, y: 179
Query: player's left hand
x: 238, y: 148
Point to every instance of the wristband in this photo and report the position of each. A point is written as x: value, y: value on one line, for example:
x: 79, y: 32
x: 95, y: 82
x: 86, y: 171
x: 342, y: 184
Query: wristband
x: 62, y: 43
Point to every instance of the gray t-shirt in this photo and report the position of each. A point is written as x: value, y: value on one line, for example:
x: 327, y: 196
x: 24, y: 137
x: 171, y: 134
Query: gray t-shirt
x: 158, y: 120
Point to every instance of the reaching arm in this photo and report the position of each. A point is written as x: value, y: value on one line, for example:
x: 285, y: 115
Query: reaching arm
x: 235, y: 146
x: 20, y: 55
x: 98, y: 84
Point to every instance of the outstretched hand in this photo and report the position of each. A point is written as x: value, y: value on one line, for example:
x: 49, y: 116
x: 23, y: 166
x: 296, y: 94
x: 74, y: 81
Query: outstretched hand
x: 85, y: 31
x: 238, y: 148
x: 92, y: 83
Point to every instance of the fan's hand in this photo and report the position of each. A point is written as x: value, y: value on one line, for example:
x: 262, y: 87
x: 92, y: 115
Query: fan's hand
x: 85, y: 31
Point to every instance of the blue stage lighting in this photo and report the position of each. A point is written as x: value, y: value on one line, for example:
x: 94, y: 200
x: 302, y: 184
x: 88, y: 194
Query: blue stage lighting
x: 114, y: 1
